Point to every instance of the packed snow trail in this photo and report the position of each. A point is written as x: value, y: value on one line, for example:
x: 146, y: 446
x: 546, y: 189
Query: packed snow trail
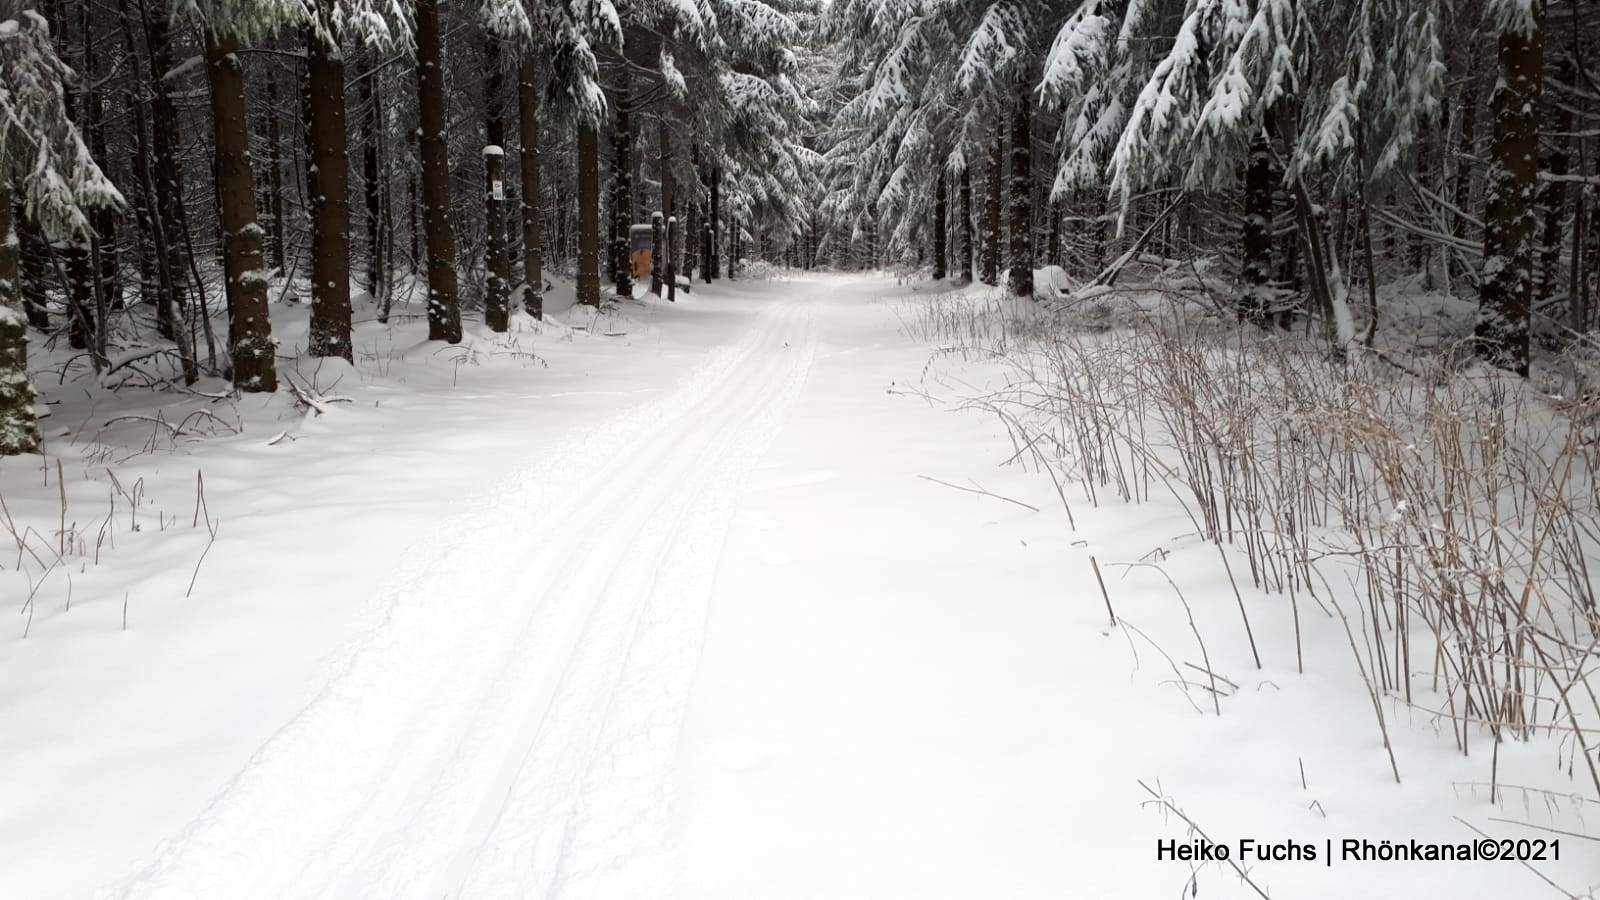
x: 509, y: 729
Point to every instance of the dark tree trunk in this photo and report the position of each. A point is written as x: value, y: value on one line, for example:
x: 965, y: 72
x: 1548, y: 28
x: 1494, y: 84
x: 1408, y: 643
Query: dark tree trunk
x: 588, y: 214
x: 76, y: 250
x: 1553, y: 194
x: 622, y: 195
x: 80, y: 298
x: 966, y: 223
x: 1466, y: 151
x: 532, y: 221
x: 1254, y: 299
x: 497, y: 243
x: 19, y: 427
x: 166, y: 172
x: 1510, y: 221
x: 107, y: 285
x: 1021, y: 281
x: 33, y: 271
x: 330, y: 203
x: 713, y: 267
x: 444, y: 303
x: 497, y: 288
x: 708, y: 250
x: 658, y: 249
x: 279, y: 237
x: 939, y: 215
x: 249, y: 328
x: 991, y: 212
x: 155, y: 258
x: 669, y: 268
x: 1054, y: 242
x: 370, y: 94
x: 691, y: 227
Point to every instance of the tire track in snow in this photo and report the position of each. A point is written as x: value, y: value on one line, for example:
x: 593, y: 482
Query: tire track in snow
x: 498, y: 679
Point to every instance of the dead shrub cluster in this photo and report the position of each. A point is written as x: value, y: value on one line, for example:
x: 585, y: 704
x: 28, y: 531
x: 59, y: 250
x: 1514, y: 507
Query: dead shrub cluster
x: 1449, y: 514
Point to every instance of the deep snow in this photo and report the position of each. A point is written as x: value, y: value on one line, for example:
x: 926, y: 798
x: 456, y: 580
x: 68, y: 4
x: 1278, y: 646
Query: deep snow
x: 670, y: 613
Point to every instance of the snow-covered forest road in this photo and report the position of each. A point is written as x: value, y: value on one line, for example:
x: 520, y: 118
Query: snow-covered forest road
x: 511, y: 727
x: 686, y: 614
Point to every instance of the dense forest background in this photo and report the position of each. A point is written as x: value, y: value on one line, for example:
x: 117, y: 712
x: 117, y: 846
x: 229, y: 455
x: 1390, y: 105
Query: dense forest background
x: 170, y: 170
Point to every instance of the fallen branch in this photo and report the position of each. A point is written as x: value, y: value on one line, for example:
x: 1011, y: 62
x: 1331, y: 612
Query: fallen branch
x: 979, y: 490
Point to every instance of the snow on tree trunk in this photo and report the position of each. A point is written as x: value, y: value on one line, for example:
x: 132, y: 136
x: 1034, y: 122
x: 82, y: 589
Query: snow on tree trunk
x: 19, y: 429
x: 330, y: 205
x: 444, y: 303
x: 250, y: 344
x: 588, y: 214
x: 532, y: 221
x: 1021, y: 256
x: 1510, y: 221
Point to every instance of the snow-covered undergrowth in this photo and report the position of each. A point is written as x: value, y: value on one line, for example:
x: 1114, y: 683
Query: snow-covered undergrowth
x: 1437, y: 518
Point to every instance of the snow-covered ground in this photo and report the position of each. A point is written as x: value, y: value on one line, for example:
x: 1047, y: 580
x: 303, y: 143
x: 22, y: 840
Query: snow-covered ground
x: 671, y: 605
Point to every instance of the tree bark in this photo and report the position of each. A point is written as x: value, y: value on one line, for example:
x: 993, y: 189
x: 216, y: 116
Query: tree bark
x: 1510, y: 221
x: 1021, y: 281
x: 330, y: 204
x: 19, y: 427
x: 249, y: 327
x: 588, y: 214
x: 532, y: 221
x: 444, y: 302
